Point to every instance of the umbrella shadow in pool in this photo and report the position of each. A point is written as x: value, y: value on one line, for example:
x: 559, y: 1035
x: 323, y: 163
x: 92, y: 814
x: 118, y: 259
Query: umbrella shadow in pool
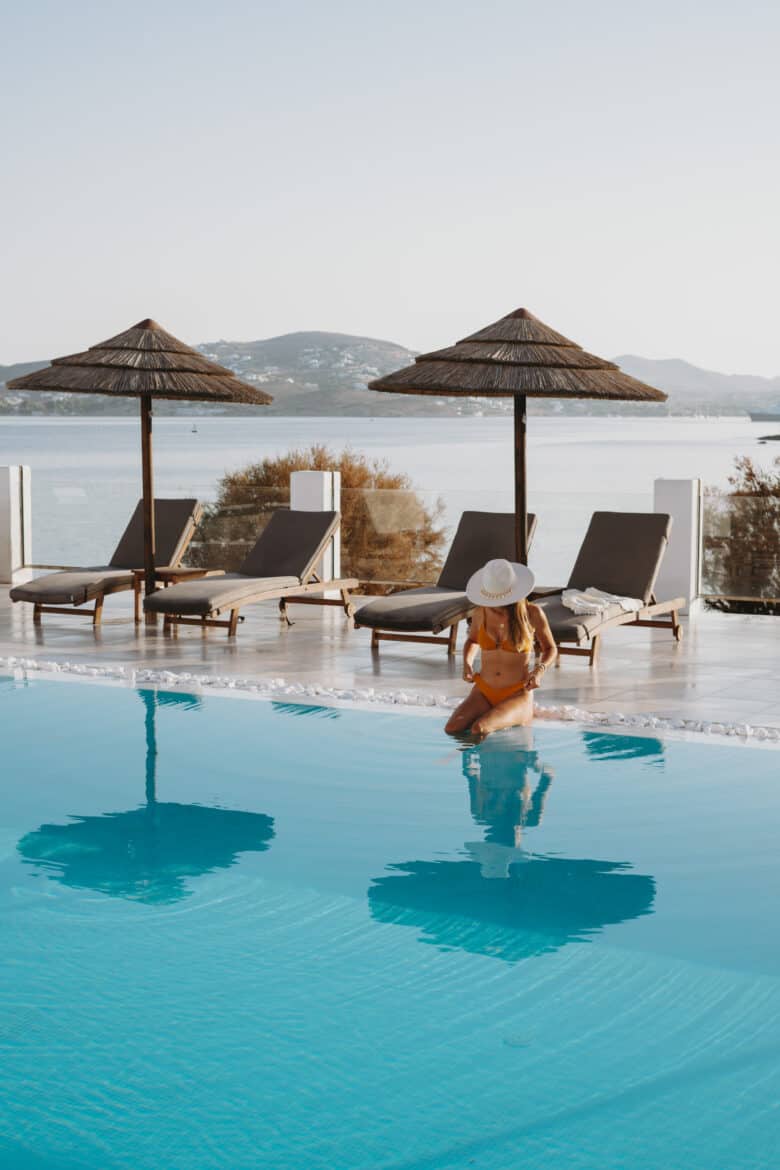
x: 507, y: 901
x: 147, y: 854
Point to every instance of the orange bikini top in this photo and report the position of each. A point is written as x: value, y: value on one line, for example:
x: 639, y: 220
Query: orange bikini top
x: 485, y: 642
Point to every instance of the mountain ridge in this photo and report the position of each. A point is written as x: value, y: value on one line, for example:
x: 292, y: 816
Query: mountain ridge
x: 316, y: 372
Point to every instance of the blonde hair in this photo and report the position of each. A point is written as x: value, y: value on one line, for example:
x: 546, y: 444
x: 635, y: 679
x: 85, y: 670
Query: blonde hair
x: 521, y: 632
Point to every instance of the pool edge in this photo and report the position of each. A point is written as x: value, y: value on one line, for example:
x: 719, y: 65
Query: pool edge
x: 371, y: 699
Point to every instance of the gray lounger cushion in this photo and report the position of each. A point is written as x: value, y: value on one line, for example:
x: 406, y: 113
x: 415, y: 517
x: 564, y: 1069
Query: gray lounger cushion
x: 72, y: 587
x: 427, y: 608
x: 285, y: 554
x: 208, y: 595
x: 621, y: 553
x: 567, y: 626
x: 480, y: 537
x: 290, y: 545
x: 172, y: 519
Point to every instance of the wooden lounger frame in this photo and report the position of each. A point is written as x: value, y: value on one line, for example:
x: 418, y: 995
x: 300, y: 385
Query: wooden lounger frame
x: 96, y: 611
x: 450, y: 640
x: 378, y: 635
x: 302, y: 594
x: 650, y: 615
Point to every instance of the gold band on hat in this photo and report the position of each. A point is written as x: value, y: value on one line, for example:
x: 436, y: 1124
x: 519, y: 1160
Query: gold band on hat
x: 486, y: 592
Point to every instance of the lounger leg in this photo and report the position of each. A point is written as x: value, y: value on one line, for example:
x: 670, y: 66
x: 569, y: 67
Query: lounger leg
x: 97, y: 613
x: 453, y: 639
x: 374, y: 639
x: 137, y: 600
x: 283, y: 614
x: 37, y: 615
x: 595, y: 646
x: 233, y: 623
x: 349, y: 608
x: 677, y: 629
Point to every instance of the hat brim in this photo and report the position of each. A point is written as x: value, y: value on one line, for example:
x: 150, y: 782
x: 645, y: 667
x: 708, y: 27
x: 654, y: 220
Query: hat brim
x: 524, y: 583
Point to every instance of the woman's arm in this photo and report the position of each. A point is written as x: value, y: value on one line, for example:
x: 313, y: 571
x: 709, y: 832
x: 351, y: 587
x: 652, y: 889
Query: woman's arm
x: 546, y: 650
x: 471, y: 646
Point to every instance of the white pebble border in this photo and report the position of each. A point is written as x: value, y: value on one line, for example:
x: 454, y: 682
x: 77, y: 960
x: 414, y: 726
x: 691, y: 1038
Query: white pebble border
x: 279, y: 688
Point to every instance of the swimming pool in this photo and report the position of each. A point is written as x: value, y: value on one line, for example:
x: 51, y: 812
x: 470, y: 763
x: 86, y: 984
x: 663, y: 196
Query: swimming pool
x: 238, y: 933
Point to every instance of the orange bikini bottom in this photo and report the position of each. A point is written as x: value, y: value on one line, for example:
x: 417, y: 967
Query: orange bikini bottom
x: 496, y: 695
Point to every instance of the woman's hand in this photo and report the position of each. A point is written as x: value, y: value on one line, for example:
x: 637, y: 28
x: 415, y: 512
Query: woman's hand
x: 534, y: 681
x: 468, y: 672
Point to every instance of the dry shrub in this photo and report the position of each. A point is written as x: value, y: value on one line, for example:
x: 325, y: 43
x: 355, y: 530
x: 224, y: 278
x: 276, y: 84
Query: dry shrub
x: 387, y: 532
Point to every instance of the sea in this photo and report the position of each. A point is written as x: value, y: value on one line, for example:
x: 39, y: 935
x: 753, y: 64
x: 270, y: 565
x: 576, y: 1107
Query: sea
x: 86, y: 472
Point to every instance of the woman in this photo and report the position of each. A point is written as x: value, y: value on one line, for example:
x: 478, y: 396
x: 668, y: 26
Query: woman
x: 506, y: 628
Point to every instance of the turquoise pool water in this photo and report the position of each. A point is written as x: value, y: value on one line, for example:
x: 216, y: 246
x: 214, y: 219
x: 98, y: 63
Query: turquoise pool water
x: 236, y: 934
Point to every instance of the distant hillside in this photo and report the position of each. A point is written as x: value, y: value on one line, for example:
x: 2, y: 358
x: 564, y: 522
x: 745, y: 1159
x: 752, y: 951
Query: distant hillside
x: 326, y: 374
x: 319, y: 373
x: 692, y: 390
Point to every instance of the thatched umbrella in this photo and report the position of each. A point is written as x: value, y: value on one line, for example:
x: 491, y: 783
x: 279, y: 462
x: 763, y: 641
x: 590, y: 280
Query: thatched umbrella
x: 517, y: 357
x: 144, y: 362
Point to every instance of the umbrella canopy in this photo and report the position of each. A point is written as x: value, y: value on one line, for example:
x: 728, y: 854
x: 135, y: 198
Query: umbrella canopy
x: 144, y: 362
x: 517, y: 357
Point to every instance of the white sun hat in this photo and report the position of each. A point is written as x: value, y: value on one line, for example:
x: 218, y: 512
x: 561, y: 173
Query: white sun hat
x: 499, y: 583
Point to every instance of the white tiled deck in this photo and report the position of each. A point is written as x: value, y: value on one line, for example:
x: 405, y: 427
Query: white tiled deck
x: 726, y: 668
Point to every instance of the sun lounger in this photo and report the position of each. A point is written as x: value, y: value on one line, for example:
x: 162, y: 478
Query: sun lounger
x: 621, y: 554
x: 419, y: 615
x: 68, y: 590
x: 282, y: 566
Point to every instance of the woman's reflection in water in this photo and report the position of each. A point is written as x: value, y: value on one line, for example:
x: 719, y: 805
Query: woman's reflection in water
x: 499, y: 897
x: 507, y: 791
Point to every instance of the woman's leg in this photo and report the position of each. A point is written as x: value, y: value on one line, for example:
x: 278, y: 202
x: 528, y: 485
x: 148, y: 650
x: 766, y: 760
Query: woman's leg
x: 461, y: 719
x: 517, y: 711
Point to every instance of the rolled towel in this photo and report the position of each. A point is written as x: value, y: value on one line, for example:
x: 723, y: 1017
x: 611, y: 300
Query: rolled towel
x: 593, y: 600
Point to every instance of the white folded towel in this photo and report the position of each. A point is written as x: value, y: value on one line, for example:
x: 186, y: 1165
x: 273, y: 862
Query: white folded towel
x: 593, y: 600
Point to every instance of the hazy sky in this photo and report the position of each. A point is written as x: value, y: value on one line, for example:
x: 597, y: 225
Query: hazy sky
x: 405, y: 170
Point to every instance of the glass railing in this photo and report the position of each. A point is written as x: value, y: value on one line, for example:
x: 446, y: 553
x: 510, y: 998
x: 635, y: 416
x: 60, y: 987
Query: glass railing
x: 404, y: 535
x: 86, y: 479
x: 741, y: 547
x: 392, y: 536
x: 387, y: 535
x: 72, y: 524
x: 230, y: 526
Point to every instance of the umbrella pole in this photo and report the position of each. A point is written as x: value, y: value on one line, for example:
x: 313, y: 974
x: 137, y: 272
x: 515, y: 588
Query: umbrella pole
x: 148, y: 486
x: 150, y: 702
x: 521, y: 502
